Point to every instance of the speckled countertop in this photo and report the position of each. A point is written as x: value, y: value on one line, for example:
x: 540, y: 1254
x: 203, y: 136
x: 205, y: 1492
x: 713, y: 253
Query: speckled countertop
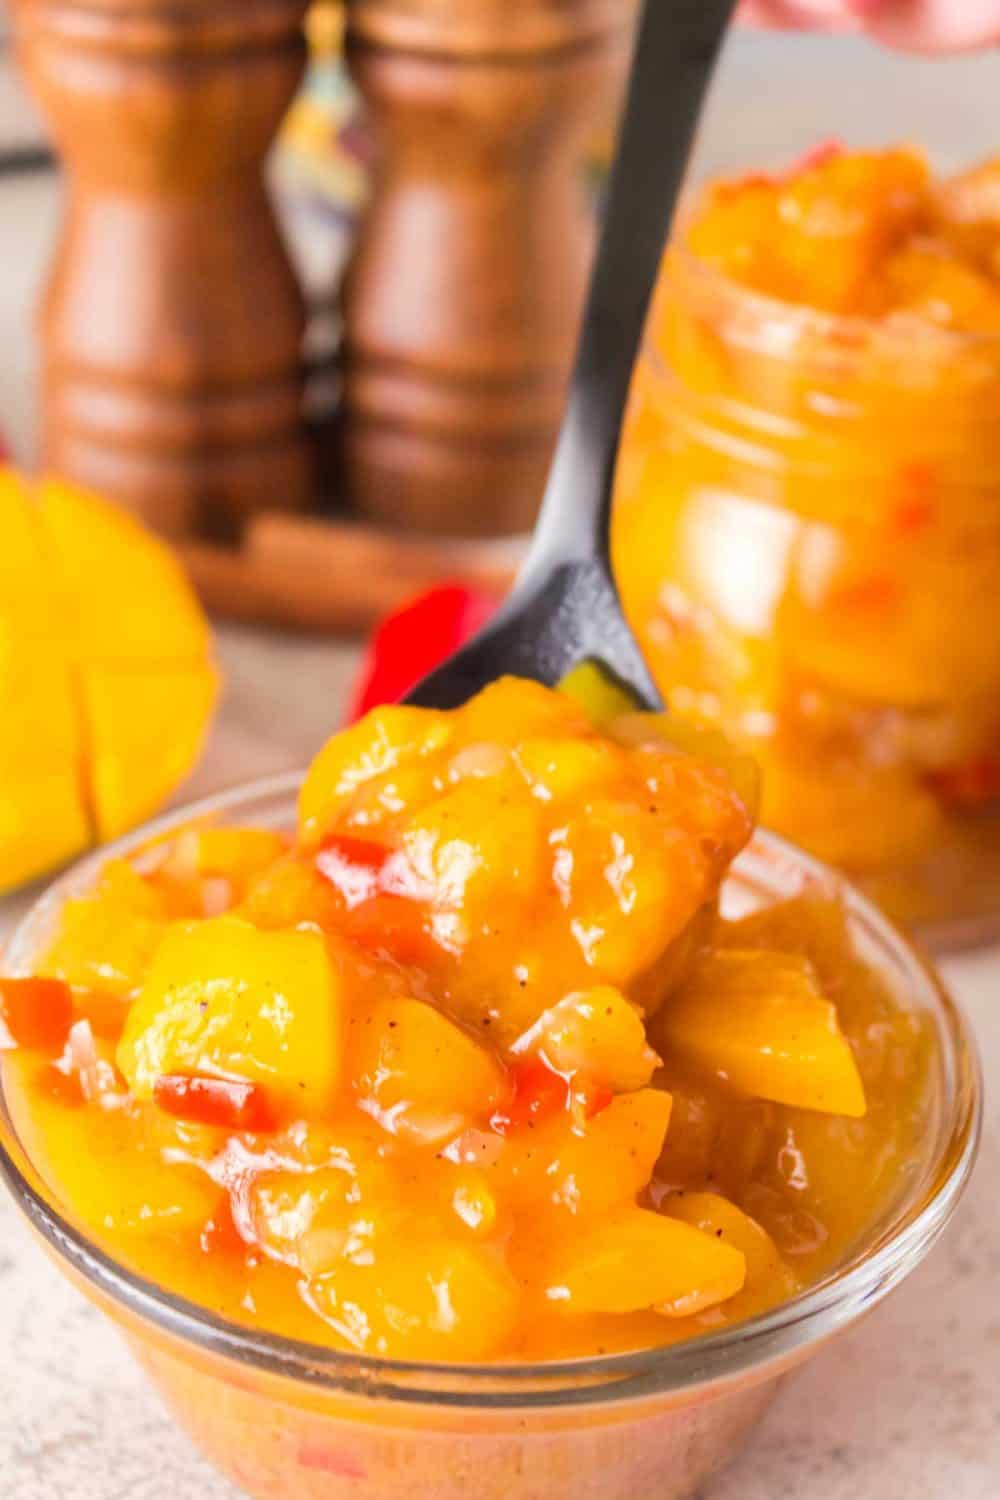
x: 905, y: 1406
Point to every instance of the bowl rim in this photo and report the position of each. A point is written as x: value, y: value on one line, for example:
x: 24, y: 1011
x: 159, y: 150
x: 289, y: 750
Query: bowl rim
x: 778, y: 1336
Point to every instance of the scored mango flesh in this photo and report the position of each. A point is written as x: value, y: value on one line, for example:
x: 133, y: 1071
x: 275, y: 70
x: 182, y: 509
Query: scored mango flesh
x: 105, y: 674
x: 470, y: 1067
x: 805, y: 526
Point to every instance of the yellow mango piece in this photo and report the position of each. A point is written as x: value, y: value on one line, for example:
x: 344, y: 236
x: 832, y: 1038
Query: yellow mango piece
x: 380, y: 742
x: 563, y: 769
x: 513, y: 709
x: 307, y: 1218
x: 481, y: 841
x: 767, y: 1274
x: 703, y: 741
x: 288, y: 893
x: 639, y: 1259
x: 106, y: 941
x: 761, y: 1021
x: 590, y: 1169
x: 597, y: 692
x: 420, y: 1075
x: 442, y: 1299
x: 224, y: 999
x: 146, y: 730
x: 597, y: 1033
x: 127, y: 597
x: 236, y: 853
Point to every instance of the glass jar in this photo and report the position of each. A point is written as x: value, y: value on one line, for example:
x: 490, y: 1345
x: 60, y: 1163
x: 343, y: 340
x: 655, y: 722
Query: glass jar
x: 807, y: 540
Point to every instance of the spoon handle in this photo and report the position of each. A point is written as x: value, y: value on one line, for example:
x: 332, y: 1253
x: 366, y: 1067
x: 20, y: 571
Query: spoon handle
x: 676, y: 46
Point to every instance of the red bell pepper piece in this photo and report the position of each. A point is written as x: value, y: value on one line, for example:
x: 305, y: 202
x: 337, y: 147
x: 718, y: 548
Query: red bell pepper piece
x: 35, y: 1013
x: 203, y: 1100
x: 536, y: 1094
x: 414, y: 640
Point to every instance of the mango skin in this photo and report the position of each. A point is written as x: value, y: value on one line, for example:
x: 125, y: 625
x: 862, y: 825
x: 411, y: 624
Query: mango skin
x: 106, y: 679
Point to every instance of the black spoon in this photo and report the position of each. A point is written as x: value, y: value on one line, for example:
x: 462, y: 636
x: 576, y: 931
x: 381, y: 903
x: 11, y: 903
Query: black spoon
x: 564, y: 607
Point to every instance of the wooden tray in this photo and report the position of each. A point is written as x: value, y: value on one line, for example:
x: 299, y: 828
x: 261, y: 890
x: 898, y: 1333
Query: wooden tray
x: 313, y: 573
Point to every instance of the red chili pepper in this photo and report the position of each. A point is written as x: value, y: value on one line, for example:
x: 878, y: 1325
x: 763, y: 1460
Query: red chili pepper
x: 35, y: 1013
x: 412, y: 641
x: 214, y: 1101
x: 970, y: 785
x: 536, y: 1094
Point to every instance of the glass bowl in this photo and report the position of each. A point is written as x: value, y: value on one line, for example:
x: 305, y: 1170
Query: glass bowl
x: 284, y: 1418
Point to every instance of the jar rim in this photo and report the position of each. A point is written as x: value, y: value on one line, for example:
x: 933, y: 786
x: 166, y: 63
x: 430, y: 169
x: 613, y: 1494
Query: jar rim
x: 745, y: 1350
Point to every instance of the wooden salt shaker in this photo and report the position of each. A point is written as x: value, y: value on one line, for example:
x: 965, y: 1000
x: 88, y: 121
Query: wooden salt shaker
x: 172, y: 326
x: 463, y: 298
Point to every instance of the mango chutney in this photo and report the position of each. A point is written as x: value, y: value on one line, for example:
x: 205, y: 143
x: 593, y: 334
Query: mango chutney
x: 468, y: 1067
x: 807, y: 524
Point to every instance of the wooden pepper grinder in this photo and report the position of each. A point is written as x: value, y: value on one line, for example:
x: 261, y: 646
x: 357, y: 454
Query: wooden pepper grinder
x: 463, y: 298
x: 172, y: 326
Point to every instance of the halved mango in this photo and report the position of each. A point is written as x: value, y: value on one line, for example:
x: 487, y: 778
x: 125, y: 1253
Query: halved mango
x: 105, y: 679
x: 142, y: 717
x: 126, y: 596
x: 223, y: 999
x: 761, y: 1021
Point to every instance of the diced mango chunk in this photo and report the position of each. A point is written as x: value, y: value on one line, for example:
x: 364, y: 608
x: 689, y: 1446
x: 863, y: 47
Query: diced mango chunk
x: 105, y: 942
x: 237, y: 853
x: 379, y: 743
x: 721, y: 1219
x: 761, y: 1021
x: 442, y: 1299
x: 590, y: 1169
x: 223, y: 999
x: 420, y: 1075
x: 638, y: 1259
x: 597, y: 1033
